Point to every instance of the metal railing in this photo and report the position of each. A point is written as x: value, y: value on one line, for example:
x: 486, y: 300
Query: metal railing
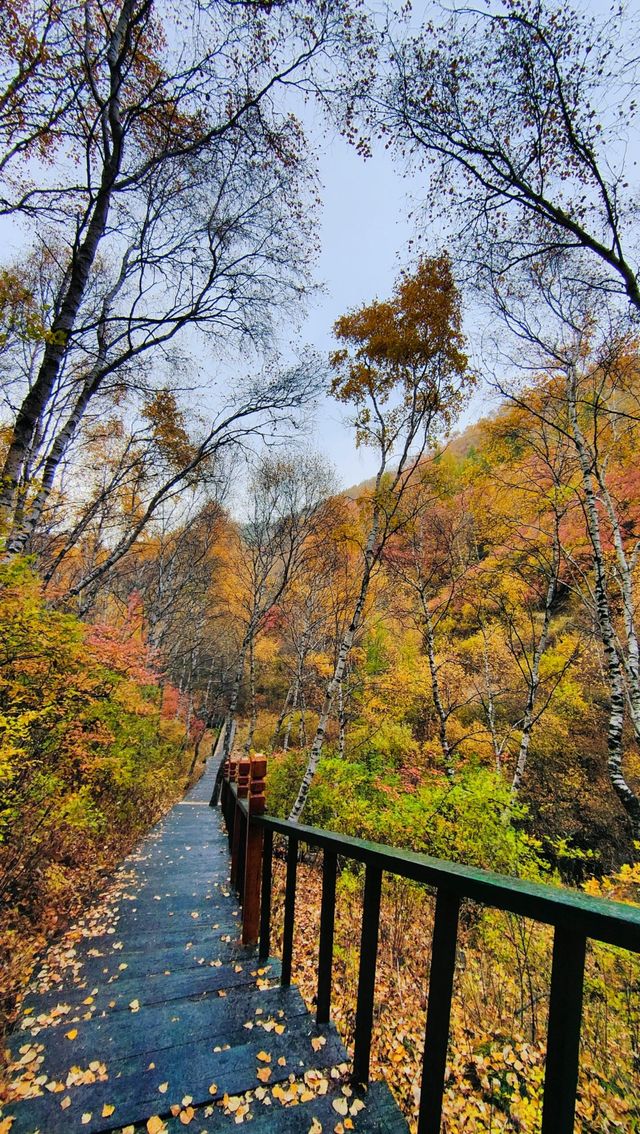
x: 575, y: 917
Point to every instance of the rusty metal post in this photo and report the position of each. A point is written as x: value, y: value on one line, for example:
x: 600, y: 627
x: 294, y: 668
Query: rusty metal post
x: 237, y: 849
x: 253, y: 856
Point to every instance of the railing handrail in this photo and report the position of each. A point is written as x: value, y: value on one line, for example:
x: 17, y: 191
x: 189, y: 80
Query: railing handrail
x: 601, y: 919
x: 575, y: 917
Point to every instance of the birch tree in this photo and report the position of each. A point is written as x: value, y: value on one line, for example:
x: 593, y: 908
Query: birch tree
x: 157, y: 465
x: 429, y: 562
x: 586, y: 393
x: 522, y: 115
x: 286, y: 502
x: 403, y: 371
x: 181, y: 199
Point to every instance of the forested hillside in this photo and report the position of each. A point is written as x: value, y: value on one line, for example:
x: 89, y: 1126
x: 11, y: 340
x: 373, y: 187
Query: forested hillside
x: 446, y: 658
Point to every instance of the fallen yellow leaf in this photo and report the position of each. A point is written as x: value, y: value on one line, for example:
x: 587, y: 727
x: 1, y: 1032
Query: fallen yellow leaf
x: 66, y: 1102
x: 264, y: 1056
x: 134, y: 1005
x: 264, y: 1074
x: 163, y: 1088
x: 213, y: 1089
x: 155, y: 1125
x: 86, y: 1118
x: 187, y: 1115
x: 317, y: 1042
x: 71, y: 1034
x: 341, y: 1106
x: 107, y: 1110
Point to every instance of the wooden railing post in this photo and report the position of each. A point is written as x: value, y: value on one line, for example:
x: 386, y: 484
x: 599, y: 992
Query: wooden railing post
x: 253, y: 854
x: 224, y: 791
x: 238, y: 841
x: 231, y: 810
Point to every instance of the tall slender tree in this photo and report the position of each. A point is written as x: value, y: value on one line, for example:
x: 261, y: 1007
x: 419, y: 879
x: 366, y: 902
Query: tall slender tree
x: 186, y: 206
x: 404, y: 372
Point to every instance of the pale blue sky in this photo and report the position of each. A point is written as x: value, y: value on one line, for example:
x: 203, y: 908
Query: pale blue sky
x: 365, y: 235
x: 364, y: 238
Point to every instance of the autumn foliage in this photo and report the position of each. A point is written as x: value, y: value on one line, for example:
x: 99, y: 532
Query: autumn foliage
x: 87, y: 761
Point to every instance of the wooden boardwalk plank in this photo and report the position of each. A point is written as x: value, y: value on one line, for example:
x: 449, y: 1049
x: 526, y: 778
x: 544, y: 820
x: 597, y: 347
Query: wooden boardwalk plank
x: 378, y: 1116
x: 159, y: 988
x: 151, y: 999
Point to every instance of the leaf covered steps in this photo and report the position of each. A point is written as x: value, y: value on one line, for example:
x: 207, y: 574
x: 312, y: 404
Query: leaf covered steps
x: 149, y: 1014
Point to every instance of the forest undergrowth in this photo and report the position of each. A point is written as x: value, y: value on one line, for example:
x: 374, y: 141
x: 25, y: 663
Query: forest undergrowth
x: 495, y: 1069
x: 92, y: 753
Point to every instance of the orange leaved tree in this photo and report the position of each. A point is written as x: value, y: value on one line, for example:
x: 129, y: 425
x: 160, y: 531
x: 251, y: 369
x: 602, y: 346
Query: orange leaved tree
x: 404, y: 372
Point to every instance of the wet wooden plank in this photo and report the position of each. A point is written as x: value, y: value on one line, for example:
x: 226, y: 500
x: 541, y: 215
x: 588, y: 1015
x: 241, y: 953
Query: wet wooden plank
x: 119, y: 1036
x: 160, y: 991
x: 134, y: 1086
x: 379, y: 1114
x: 157, y: 989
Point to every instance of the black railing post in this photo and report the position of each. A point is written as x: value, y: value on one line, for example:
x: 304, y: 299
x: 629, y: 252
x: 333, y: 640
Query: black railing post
x: 253, y: 852
x: 239, y: 839
x: 574, y: 916
x: 436, y: 1041
x: 563, y: 1032
x: 265, y: 897
x: 367, y: 973
x: 231, y: 799
x: 289, y: 910
x: 327, y: 921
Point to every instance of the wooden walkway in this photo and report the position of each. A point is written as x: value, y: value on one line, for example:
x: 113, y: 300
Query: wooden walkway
x: 150, y: 1016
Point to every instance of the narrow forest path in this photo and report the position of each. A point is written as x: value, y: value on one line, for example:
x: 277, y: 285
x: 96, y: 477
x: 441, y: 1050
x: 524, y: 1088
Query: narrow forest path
x: 150, y: 1016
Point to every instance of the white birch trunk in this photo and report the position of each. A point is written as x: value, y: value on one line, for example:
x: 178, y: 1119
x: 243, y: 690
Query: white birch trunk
x: 283, y: 712
x: 342, y: 730
x: 534, y: 678
x: 429, y: 642
x: 336, y: 679
x: 294, y: 706
x: 252, y: 697
x: 622, y: 789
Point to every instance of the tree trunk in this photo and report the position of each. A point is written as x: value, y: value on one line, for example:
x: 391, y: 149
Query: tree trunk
x: 630, y: 659
x: 230, y: 715
x: 625, y: 793
x: 490, y: 707
x: 283, y: 712
x: 342, y: 731
x: 294, y: 705
x: 534, y: 678
x: 441, y: 712
x: 25, y: 523
x: 335, y: 682
x: 252, y: 697
x: 35, y: 402
x: 302, y: 730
